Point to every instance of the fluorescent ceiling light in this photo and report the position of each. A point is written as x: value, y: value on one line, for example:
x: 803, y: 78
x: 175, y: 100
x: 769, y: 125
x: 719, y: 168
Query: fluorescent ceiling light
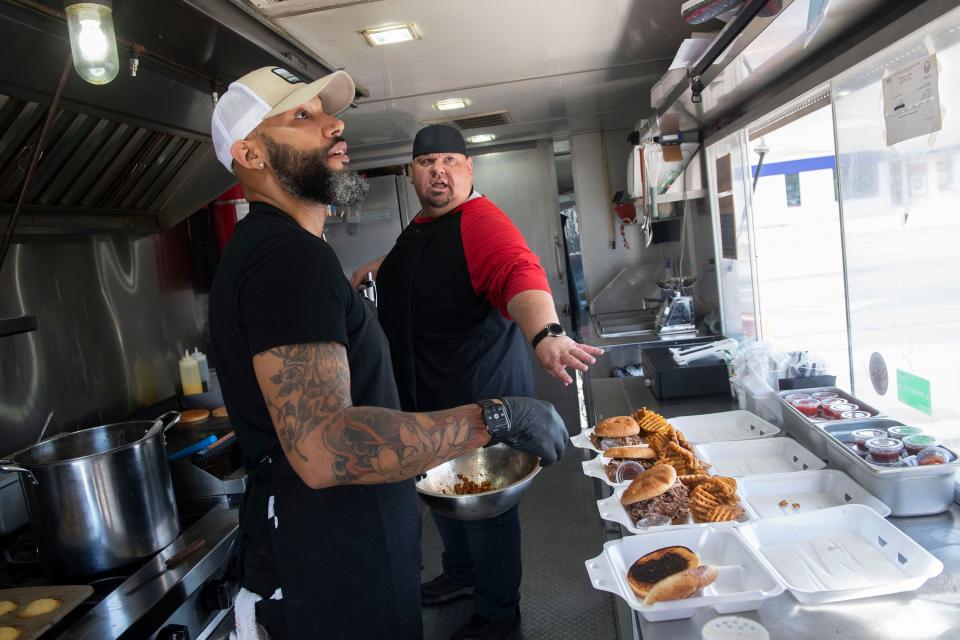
x: 481, y: 137
x: 450, y: 104
x: 391, y: 34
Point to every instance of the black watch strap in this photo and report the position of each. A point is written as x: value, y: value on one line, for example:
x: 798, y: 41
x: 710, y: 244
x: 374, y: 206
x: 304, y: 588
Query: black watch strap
x: 496, y: 417
x: 552, y: 329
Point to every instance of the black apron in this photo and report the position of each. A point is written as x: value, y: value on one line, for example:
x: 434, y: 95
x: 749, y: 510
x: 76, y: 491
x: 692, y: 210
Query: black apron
x: 337, y: 583
x: 449, y: 346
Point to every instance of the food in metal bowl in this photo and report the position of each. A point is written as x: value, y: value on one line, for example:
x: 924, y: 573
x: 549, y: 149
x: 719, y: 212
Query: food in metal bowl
x: 508, y: 472
x: 467, y: 487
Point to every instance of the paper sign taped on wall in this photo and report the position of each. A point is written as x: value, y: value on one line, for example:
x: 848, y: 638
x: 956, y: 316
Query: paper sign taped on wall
x: 911, y: 101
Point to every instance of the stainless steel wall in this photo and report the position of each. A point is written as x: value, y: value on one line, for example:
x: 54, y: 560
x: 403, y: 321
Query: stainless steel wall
x: 113, y: 314
x: 523, y: 182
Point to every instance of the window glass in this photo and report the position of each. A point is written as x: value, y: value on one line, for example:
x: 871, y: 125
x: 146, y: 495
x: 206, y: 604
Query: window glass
x: 799, y: 260
x: 902, y: 233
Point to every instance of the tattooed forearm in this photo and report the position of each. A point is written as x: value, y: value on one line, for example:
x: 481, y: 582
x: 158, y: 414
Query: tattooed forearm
x: 328, y: 441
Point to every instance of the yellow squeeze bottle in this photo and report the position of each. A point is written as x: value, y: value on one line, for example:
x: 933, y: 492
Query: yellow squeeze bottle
x: 190, y: 375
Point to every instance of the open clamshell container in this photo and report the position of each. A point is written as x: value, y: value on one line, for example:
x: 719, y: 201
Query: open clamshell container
x: 809, y: 431
x: 611, y: 509
x: 723, y: 426
x: 841, y: 553
x: 908, y: 491
x: 804, y: 491
x: 594, y: 469
x: 743, y: 581
x: 751, y: 457
x: 583, y: 441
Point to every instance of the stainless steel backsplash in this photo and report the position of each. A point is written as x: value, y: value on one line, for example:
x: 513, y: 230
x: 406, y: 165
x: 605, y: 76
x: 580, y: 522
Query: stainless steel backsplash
x: 113, y: 314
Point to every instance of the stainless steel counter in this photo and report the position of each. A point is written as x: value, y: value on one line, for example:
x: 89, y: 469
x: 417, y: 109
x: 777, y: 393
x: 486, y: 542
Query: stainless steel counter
x: 932, y: 612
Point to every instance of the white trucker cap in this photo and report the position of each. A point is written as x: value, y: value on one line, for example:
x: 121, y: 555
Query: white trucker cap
x: 266, y: 92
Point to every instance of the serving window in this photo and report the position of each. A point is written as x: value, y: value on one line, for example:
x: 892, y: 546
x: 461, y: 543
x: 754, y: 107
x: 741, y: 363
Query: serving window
x: 849, y: 245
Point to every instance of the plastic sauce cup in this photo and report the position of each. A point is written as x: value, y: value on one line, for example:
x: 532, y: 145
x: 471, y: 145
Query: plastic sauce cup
x: 836, y: 409
x: 797, y: 396
x: 885, y: 450
x: 808, y: 407
x: 900, y: 432
x: 917, y: 443
x: 934, y: 455
x: 628, y: 470
x: 860, y: 437
x: 824, y: 396
x: 854, y: 415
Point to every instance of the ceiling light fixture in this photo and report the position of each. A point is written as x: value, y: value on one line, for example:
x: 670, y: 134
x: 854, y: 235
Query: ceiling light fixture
x: 93, y: 41
x: 481, y: 137
x: 390, y: 35
x: 450, y: 104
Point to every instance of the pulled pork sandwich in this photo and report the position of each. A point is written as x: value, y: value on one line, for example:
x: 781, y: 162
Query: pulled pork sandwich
x: 656, y: 491
x: 614, y: 457
x: 618, y: 431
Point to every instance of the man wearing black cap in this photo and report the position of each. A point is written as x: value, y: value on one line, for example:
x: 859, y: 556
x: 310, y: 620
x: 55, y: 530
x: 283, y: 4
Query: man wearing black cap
x: 459, y: 296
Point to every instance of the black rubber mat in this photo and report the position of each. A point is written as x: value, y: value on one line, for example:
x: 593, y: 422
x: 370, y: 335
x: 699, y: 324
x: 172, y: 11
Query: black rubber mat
x: 561, y: 529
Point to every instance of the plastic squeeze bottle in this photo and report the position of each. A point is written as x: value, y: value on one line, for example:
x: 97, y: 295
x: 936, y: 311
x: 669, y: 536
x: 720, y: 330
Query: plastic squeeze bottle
x: 201, y: 359
x: 190, y: 375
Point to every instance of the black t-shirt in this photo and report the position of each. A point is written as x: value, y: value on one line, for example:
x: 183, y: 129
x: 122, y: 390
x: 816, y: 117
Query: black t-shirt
x: 346, y: 557
x: 278, y: 284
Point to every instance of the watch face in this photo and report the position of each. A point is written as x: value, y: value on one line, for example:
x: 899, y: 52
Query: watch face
x: 555, y: 328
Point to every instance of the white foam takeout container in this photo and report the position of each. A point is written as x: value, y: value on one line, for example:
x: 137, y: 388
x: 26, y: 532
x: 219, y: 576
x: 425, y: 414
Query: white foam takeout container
x: 752, y: 457
x: 723, y: 426
x: 840, y: 553
x: 594, y: 469
x: 812, y: 490
x: 611, y: 509
x: 743, y: 581
x: 582, y: 440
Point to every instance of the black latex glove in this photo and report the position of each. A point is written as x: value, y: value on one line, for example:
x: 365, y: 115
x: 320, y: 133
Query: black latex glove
x: 536, y: 428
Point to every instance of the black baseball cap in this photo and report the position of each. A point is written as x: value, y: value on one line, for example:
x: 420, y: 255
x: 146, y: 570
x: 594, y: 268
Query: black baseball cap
x: 438, y: 138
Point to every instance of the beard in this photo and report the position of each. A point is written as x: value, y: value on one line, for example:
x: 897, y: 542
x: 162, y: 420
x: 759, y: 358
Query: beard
x: 440, y: 201
x: 304, y: 174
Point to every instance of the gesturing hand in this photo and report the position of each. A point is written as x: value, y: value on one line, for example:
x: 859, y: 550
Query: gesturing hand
x: 557, y: 353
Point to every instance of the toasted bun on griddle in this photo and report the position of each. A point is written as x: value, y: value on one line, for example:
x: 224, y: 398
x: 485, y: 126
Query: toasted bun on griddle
x: 651, y: 483
x: 657, y: 565
x: 681, y: 585
x: 617, y: 427
x: 630, y: 453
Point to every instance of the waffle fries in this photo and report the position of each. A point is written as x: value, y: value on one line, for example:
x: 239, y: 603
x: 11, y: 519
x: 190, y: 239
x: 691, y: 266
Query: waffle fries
x: 715, y: 500
x: 682, y: 460
x: 651, y: 422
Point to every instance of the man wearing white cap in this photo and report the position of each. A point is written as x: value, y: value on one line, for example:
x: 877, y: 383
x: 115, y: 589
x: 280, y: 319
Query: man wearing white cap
x: 330, y: 523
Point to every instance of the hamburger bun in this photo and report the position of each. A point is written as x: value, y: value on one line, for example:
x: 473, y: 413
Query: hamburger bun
x: 653, y: 482
x: 10, y: 633
x: 40, y: 607
x: 6, y: 606
x: 681, y: 585
x: 219, y: 412
x: 617, y: 427
x: 657, y: 565
x: 630, y: 453
x: 192, y: 416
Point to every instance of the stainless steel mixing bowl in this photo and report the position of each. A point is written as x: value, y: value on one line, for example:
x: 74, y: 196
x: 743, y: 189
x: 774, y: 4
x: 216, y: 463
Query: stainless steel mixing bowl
x: 510, y: 472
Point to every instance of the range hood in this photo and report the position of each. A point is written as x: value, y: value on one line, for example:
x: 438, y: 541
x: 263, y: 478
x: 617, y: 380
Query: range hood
x: 133, y: 156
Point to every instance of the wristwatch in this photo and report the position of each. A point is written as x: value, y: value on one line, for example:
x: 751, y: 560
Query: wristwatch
x: 552, y: 329
x: 495, y: 417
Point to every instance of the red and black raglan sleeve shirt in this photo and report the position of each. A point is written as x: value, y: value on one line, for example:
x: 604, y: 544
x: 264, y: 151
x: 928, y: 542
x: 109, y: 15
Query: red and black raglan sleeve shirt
x: 443, y: 296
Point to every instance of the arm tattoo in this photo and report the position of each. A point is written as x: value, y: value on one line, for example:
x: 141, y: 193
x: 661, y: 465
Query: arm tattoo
x: 308, y: 397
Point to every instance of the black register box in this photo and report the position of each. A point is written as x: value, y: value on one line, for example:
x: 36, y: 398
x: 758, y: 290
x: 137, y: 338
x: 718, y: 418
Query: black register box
x: 701, y: 377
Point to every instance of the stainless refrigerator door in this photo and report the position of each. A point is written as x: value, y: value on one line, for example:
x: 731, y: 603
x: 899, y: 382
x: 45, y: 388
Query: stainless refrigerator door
x: 371, y: 228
